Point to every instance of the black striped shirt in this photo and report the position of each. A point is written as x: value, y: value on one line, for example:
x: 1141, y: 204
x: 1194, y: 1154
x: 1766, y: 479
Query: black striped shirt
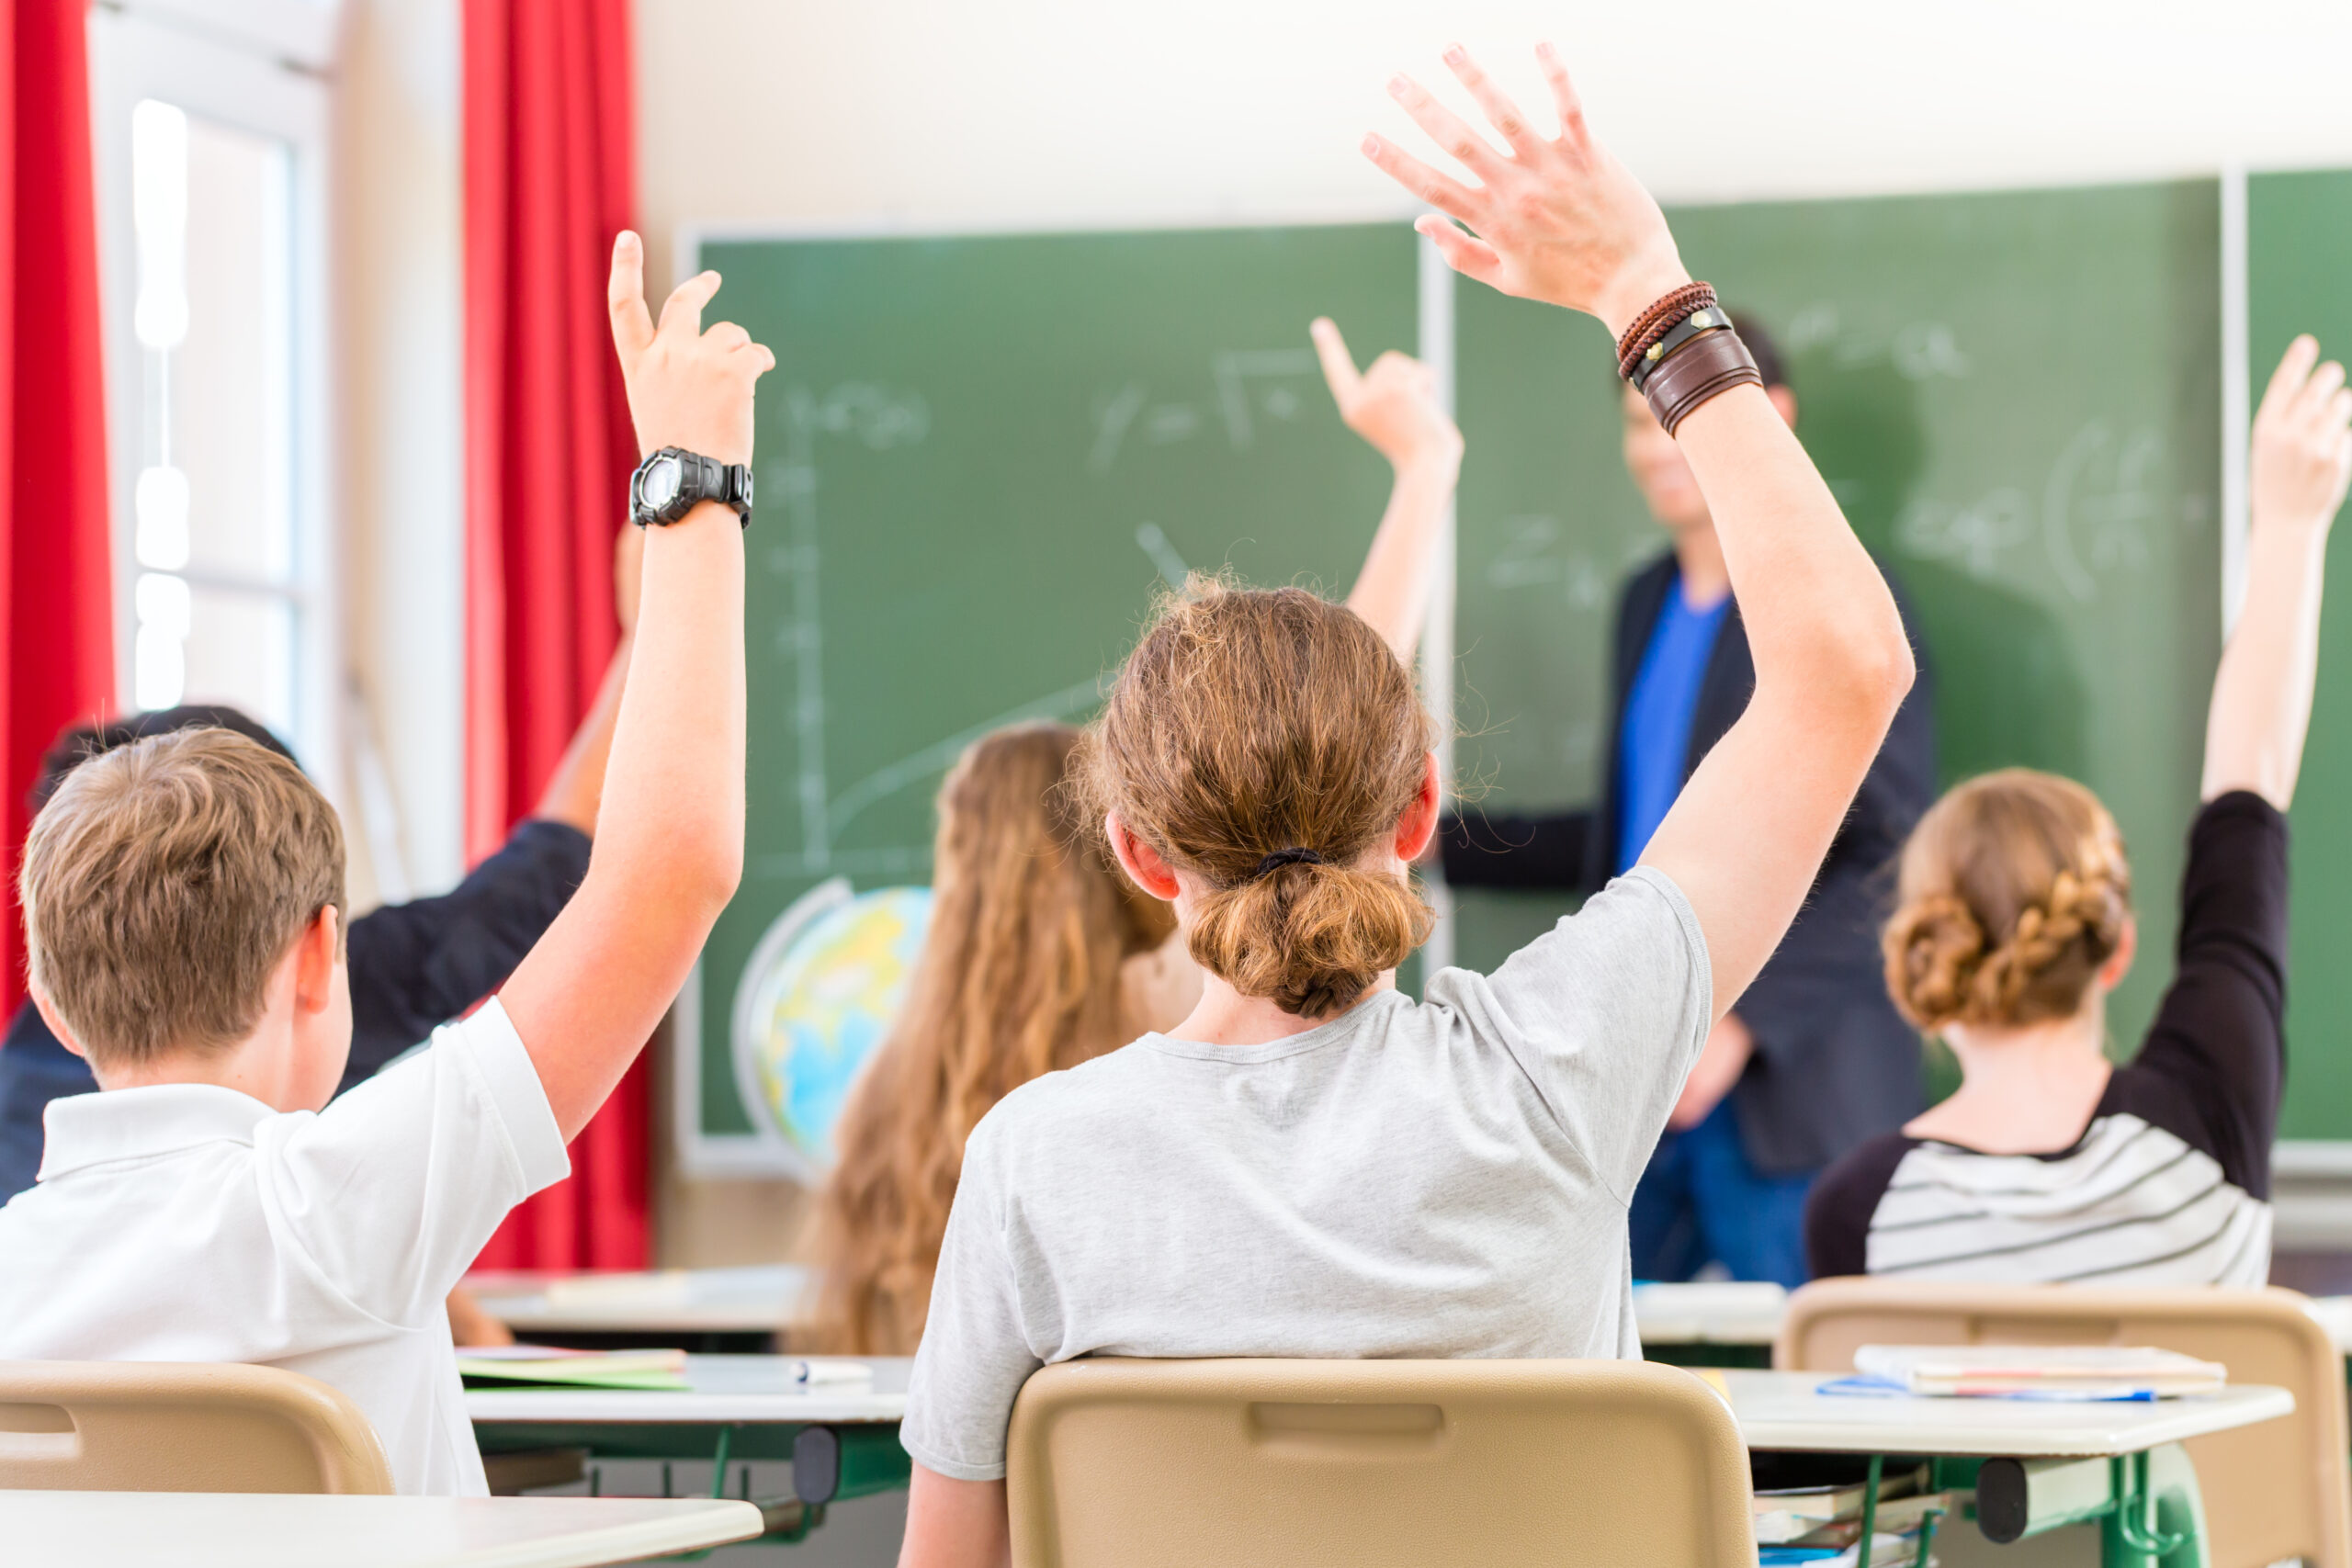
x: 2169, y: 1183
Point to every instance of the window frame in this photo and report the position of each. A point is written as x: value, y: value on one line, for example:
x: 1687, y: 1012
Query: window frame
x: 240, y: 78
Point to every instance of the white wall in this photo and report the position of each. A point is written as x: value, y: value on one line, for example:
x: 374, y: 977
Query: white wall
x: 398, y: 267
x: 937, y: 111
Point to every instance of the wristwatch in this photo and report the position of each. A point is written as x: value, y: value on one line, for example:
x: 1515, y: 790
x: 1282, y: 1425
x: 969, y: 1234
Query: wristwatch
x: 673, y: 482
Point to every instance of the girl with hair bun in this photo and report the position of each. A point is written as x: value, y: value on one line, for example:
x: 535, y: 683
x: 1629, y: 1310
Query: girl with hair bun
x: 1040, y: 954
x: 2014, y: 923
x: 1312, y: 1163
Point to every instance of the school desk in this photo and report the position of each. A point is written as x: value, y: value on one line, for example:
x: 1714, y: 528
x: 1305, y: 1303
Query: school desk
x: 213, y: 1530
x: 841, y: 1438
x: 1718, y: 1323
x: 2032, y: 1467
x: 698, y: 1309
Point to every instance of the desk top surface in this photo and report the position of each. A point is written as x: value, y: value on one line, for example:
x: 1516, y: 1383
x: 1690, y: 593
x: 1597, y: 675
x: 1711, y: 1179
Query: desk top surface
x: 1786, y: 1411
x: 726, y: 1389
x: 704, y: 1301
x: 1775, y: 1410
x: 211, y: 1529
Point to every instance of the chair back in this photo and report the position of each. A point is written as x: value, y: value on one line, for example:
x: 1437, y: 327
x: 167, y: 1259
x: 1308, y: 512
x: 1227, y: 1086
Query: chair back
x: 2273, y: 1491
x: 1115, y: 1463
x: 181, y: 1427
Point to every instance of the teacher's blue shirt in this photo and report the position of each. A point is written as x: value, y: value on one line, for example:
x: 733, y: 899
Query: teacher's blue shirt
x: 1653, y: 744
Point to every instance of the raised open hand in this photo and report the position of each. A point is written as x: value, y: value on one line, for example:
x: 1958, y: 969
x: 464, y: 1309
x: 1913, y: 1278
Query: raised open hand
x: 687, y: 386
x: 1393, y: 405
x: 1558, y: 219
x: 2301, y: 455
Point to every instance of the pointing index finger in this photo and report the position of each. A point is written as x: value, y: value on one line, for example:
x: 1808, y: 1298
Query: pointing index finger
x: 2294, y: 366
x: 625, y: 295
x: 1339, y: 364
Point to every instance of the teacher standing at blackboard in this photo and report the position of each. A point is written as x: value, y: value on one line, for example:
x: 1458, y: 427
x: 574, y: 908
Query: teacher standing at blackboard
x: 1815, y: 1058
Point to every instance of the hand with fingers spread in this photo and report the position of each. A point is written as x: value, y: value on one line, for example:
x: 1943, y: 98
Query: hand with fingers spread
x: 1555, y: 218
x: 1393, y: 405
x: 687, y: 387
x: 2301, y: 457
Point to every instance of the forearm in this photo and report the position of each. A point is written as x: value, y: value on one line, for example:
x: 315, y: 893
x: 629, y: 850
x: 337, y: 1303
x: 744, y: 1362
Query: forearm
x: 2262, y: 692
x: 954, y: 1524
x: 1392, y: 592
x: 671, y: 848
x: 1821, y: 623
x: 577, y: 787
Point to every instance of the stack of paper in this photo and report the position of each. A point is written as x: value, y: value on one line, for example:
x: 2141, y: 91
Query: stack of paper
x: 2039, y: 1371
x: 536, y: 1365
x: 1824, y: 1524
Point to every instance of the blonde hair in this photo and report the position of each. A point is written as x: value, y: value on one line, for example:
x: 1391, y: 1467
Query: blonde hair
x: 163, y: 884
x: 2014, y: 889
x: 1019, y: 976
x: 1249, y: 722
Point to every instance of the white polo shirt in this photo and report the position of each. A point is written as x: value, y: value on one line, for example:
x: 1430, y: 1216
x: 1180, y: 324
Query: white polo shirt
x: 188, y: 1223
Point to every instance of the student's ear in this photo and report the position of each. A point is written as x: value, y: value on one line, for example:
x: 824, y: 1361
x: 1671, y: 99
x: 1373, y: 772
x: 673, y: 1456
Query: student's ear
x: 1418, y: 826
x: 1785, y: 400
x: 316, y: 952
x: 1139, y: 859
x: 56, y: 1024
x: 2118, y: 963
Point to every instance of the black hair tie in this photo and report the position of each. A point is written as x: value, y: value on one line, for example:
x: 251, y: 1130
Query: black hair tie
x: 1281, y: 858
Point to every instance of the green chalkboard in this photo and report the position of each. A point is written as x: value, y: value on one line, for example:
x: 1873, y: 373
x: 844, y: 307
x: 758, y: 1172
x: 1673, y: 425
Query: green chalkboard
x: 2299, y: 247
x: 2015, y: 399
x: 978, y: 456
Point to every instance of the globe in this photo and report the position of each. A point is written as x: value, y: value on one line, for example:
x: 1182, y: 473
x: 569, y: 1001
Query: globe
x: 815, y: 1000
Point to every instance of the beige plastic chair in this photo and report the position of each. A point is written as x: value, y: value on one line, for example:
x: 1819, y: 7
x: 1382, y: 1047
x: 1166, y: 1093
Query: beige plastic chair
x: 2274, y: 1491
x: 1118, y: 1463
x: 181, y: 1427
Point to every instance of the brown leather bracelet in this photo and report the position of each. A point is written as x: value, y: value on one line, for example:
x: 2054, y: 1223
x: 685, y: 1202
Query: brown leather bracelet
x: 1707, y: 365
x: 1658, y: 319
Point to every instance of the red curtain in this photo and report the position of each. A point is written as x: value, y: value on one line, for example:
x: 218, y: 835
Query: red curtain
x: 549, y: 180
x: 56, y: 580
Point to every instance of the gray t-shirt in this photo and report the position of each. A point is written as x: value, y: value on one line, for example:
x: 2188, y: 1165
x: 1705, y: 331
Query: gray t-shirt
x: 1437, y: 1178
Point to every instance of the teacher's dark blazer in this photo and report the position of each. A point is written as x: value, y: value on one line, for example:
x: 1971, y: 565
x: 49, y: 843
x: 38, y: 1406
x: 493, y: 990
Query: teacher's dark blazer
x: 1835, y: 1063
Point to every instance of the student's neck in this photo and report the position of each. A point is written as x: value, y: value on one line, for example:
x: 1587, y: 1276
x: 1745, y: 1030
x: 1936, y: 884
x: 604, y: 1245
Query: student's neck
x: 2029, y: 1090
x: 251, y: 1067
x: 1699, y: 556
x: 1225, y: 1017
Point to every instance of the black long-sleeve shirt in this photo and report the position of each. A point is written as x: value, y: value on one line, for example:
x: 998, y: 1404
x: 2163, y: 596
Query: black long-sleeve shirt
x: 413, y: 967
x: 2169, y: 1183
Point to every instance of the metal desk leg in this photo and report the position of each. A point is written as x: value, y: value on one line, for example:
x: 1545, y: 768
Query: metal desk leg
x: 2161, y: 1523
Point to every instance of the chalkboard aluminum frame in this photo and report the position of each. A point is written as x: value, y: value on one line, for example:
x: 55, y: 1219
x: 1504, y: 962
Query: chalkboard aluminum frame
x: 700, y: 1154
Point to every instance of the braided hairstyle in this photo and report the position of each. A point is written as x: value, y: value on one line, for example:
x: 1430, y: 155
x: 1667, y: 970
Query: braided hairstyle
x: 2014, y: 889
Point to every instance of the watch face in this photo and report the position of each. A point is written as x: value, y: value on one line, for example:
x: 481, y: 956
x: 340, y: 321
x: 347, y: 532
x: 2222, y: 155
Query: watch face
x: 662, y: 478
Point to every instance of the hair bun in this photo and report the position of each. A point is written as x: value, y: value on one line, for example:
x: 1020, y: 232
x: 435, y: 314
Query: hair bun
x: 1310, y: 936
x: 1934, y: 948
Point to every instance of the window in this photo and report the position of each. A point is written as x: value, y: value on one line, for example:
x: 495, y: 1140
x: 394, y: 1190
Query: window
x: 211, y: 159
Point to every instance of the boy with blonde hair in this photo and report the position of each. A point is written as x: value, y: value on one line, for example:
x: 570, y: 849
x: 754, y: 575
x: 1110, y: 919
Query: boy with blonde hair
x: 184, y: 907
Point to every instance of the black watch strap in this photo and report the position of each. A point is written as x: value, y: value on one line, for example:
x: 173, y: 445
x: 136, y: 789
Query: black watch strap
x: 673, y: 482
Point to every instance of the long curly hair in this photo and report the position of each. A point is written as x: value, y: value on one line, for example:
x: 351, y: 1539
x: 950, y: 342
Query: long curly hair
x: 1019, y: 976
x: 2014, y: 889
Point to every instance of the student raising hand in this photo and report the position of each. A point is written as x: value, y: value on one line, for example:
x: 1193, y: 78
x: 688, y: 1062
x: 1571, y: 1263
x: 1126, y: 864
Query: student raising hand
x: 2301, y: 459
x: 670, y: 827
x: 1561, y: 220
x: 1557, y: 219
x: 1394, y: 406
